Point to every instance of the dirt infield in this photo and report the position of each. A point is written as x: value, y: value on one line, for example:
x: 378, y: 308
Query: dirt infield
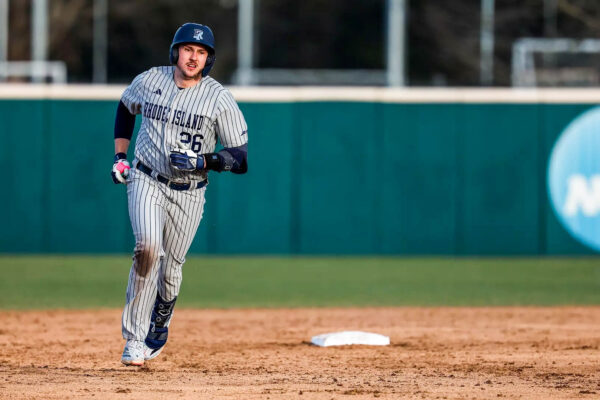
x: 445, y: 353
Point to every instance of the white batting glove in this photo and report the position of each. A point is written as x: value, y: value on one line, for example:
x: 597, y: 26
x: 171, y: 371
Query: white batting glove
x: 120, y: 170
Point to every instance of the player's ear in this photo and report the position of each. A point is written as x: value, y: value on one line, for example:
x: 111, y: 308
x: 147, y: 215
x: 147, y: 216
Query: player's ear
x: 174, y: 56
x: 210, y: 60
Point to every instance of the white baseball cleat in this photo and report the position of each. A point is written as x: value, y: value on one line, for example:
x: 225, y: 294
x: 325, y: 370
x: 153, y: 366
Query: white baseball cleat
x: 133, y: 354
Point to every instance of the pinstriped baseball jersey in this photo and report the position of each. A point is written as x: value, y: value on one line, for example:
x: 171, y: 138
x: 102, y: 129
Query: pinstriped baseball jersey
x: 193, y: 118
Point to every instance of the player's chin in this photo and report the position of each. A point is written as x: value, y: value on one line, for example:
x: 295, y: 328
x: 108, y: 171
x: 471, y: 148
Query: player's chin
x: 193, y: 74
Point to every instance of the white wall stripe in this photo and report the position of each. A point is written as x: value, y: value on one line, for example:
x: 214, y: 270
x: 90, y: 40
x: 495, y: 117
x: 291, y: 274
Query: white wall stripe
x: 310, y: 94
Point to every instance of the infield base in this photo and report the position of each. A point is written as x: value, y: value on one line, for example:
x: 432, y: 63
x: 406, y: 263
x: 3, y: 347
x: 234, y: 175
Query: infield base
x: 350, y: 337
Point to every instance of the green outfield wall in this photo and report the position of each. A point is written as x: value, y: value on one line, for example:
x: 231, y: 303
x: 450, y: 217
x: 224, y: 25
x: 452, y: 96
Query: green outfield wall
x: 327, y: 175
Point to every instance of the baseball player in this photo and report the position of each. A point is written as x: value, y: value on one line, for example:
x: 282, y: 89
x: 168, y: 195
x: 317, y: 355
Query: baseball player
x: 184, y: 113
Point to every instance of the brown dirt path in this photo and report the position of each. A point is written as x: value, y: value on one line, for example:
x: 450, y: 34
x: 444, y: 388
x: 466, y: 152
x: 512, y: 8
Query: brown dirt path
x: 445, y: 353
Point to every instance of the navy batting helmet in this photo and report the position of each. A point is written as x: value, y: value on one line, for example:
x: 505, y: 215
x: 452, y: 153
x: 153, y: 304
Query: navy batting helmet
x: 198, y: 34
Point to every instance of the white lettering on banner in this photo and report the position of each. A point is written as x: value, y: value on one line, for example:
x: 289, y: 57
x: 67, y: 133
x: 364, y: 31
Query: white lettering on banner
x: 583, y: 194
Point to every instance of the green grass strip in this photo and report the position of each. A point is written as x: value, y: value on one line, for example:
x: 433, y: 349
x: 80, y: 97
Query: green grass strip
x: 42, y: 282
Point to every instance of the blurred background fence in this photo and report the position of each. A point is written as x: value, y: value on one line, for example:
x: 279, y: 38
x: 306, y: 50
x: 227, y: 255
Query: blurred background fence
x: 317, y: 42
x: 335, y: 171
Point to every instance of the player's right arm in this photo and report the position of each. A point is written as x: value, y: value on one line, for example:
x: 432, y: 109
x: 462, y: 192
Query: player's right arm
x: 124, y: 123
x: 129, y: 106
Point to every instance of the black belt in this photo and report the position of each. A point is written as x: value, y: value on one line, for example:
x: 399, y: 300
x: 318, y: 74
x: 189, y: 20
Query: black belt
x: 172, y: 185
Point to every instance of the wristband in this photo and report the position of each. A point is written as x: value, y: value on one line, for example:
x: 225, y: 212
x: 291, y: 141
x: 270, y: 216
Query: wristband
x: 120, y: 156
x: 214, y: 161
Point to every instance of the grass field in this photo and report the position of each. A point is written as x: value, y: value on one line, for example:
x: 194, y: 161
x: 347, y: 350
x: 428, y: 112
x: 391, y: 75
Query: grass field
x: 42, y: 282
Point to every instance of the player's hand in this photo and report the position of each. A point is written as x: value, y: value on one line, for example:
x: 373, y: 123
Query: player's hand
x: 186, y: 160
x: 120, y: 169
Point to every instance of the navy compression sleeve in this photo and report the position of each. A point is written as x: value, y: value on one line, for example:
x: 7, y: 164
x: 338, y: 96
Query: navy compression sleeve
x: 124, y: 123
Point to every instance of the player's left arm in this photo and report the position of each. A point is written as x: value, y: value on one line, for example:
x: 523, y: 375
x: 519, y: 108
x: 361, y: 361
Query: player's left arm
x: 232, y: 131
x: 234, y: 159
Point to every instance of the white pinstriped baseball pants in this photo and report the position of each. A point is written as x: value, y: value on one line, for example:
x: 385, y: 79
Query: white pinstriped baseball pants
x: 164, y: 223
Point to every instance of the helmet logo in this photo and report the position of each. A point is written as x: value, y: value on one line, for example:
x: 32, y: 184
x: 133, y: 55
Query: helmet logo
x: 198, y: 34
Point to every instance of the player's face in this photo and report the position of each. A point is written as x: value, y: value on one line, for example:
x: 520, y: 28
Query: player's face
x: 192, y: 58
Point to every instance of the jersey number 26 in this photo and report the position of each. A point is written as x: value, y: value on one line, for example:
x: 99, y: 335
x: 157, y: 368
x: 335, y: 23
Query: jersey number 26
x: 195, y: 140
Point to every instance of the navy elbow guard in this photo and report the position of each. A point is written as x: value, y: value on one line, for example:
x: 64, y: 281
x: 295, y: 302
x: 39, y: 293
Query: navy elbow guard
x: 236, y: 159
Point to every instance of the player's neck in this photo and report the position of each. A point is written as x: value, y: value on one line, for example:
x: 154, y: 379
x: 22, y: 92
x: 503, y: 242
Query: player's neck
x: 184, y: 82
